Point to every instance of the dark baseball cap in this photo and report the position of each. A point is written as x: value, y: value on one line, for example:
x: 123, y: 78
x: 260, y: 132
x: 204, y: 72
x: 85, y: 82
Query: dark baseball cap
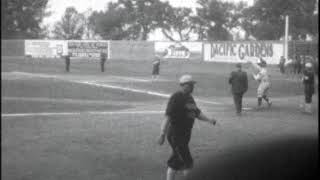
x: 238, y: 65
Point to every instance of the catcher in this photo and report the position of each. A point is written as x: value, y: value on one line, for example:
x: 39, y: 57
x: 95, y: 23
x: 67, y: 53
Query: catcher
x: 262, y: 77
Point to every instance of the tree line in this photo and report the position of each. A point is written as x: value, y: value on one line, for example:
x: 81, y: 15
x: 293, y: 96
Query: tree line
x: 137, y: 19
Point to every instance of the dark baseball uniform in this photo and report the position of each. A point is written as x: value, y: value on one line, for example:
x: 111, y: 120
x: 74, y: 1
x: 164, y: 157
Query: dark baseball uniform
x: 181, y: 110
x: 156, y: 67
x: 67, y: 61
x: 102, y: 61
x: 308, y: 81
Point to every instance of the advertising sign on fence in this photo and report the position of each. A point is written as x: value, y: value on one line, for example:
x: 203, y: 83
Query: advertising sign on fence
x: 230, y: 51
x: 87, y: 48
x: 179, y: 50
x: 46, y: 48
x: 131, y: 50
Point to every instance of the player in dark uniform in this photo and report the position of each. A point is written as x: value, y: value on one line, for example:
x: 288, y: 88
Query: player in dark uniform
x: 67, y: 62
x: 181, y: 112
x: 156, y: 68
x: 281, y: 64
x: 308, y: 81
x: 239, y: 85
x: 103, y: 58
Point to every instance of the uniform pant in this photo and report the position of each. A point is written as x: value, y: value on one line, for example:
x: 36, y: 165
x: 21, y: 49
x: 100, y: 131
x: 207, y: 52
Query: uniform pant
x: 102, y: 65
x: 237, y: 98
x: 263, y: 89
x: 67, y: 65
x: 180, y: 158
x: 282, y: 68
x: 308, y: 92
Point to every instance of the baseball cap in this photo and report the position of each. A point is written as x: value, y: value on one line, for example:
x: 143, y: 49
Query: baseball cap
x: 238, y: 65
x: 186, y: 79
x: 308, y: 65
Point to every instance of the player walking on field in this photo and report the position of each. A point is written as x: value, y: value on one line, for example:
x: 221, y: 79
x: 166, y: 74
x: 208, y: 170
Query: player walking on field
x: 156, y: 68
x: 264, y: 81
x: 181, y: 112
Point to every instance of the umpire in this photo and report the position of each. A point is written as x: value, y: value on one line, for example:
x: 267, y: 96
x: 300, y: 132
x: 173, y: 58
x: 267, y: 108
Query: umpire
x: 181, y: 112
x: 239, y: 85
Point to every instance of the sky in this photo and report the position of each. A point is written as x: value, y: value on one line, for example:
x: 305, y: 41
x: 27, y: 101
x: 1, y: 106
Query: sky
x: 57, y: 8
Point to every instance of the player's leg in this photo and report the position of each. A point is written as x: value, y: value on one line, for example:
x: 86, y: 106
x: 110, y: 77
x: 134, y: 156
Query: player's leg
x: 174, y: 163
x: 308, y: 100
x: 237, y: 101
x: 240, y: 102
x: 171, y: 173
x: 259, y: 95
x: 265, y: 90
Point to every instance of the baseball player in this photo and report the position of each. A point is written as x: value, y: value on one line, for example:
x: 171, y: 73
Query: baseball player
x: 308, y: 81
x: 67, y: 62
x: 264, y: 82
x: 156, y: 68
x: 181, y: 112
x: 103, y: 59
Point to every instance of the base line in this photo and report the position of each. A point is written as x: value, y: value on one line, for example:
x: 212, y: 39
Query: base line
x: 80, y: 113
x: 116, y: 87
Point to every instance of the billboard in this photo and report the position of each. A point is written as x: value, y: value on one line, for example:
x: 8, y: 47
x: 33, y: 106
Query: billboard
x: 46, y: 48
x: 232, y: 51
x: 131, y: 50
x: 179, y: 50
x: 87, y: 48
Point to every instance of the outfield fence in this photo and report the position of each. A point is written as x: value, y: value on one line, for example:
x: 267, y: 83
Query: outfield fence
x: 213, y: 51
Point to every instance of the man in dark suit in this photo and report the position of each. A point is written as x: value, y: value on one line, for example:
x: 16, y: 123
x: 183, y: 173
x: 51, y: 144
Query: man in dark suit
x: 239, y: 85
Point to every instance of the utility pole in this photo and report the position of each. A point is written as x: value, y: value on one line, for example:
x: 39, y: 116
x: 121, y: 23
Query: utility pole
x: 286, y: 37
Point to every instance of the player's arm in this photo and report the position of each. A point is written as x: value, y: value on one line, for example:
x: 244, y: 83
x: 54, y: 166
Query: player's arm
x: 164, y: 130
x: 257, y: 76
x: 255, y: 65
x: 245, y: 82
x: 203, y: 117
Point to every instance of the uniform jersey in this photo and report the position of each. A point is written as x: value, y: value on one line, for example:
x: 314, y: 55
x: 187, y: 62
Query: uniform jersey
x: 156, y: 67
x: 182, y: 111
x: 308, y: 81
x: 262, y: 76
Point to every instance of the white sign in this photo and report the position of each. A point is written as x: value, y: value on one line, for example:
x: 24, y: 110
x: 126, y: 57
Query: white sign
x: 46, y: 48
x: 179, y: 50
x: 87, y: 48
x: 229, y: 51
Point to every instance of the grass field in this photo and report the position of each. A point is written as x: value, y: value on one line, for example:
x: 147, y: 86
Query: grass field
x: 90, y: 125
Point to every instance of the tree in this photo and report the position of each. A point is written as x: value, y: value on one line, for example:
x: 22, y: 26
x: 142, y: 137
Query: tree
x: 71, y: 25
x: 214, y: 17
x: 21, y: 19
x: 129, y: 19
x: 178, y: 20
x: 265, y: 19
x: 110, y: 24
